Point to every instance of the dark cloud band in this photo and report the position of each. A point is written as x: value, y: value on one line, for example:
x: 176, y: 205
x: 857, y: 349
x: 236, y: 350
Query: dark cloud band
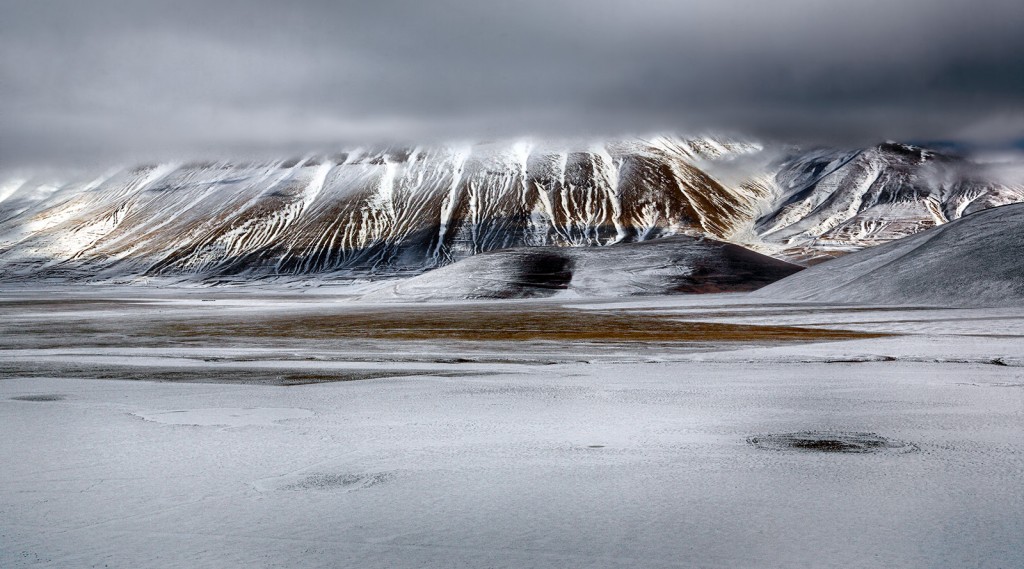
x: 107, y: 79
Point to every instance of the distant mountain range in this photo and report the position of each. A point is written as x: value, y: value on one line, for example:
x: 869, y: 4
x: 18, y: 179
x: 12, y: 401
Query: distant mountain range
x: 403, y: 211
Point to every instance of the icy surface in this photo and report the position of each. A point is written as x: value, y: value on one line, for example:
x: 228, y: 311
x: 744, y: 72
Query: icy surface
x: 227, y: 417
x: 506, y: 453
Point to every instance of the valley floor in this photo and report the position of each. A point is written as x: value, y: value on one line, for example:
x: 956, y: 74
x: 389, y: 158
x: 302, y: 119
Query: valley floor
x: 232, y: 428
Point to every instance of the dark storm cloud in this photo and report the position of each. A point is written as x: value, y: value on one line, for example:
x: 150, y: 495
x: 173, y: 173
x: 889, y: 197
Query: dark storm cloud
x: 104, y: 79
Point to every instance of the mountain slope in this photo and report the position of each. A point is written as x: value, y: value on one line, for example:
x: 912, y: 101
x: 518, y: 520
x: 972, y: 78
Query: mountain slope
x: 974, y: 261
x: 392, y: 211
x: 380, y: 211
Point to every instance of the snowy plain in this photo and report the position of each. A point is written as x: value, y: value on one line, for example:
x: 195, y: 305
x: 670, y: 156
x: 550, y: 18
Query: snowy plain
x: 175, y: 428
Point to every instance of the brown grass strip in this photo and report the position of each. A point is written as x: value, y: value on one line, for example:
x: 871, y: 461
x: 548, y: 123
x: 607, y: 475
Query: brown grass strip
x: 506, y: 324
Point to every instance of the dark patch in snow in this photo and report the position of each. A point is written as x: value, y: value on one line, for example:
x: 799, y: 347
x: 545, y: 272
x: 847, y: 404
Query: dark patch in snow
x: 325, y: 481
x: 860, y: 360
x: 40, y: 398
x: 830, y: 442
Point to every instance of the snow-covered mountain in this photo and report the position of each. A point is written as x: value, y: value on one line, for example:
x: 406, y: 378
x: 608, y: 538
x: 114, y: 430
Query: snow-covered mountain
x: 407, y: 210
x: 974, y: 261
x: 833, y: 202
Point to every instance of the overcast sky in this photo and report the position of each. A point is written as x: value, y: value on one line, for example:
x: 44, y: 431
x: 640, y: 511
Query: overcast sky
x: 102, y: 80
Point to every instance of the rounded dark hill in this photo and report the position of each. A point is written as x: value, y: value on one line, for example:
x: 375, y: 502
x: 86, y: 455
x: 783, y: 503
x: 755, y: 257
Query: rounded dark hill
x: 673, y: 265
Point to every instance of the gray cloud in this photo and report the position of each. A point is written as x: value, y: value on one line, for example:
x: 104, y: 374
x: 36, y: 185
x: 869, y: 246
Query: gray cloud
x: 115, y: 80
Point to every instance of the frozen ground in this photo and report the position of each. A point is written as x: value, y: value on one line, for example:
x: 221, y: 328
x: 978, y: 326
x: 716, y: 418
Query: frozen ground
x: 716, y: 443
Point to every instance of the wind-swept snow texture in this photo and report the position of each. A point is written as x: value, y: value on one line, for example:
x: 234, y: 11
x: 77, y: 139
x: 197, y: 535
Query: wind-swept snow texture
x: 407, y: 210
x: 672, y: 265
x: 974, y: 261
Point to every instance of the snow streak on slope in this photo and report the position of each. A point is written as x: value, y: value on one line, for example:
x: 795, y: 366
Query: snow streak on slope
x: 974, y: 261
